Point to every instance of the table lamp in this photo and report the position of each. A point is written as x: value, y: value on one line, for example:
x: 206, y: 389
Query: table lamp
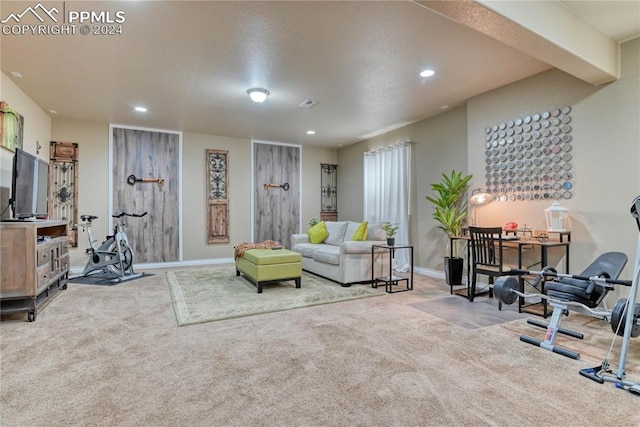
x: 478, y: 198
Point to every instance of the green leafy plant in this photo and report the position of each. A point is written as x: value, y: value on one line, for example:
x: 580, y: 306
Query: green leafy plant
x: 450, y: 203
x: 312, y: 222
x: 390, y: 229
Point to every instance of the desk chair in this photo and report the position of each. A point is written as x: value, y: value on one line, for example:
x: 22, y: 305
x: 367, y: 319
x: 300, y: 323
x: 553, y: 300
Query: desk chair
x: 486, y: 257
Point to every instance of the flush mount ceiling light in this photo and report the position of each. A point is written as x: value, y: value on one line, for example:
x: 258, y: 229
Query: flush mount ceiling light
x: 140, y: 109
x: 258, y: 94
x: 427, y: 73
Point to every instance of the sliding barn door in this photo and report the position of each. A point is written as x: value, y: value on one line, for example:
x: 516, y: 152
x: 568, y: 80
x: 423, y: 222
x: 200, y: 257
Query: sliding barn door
x: 149, y: 155
x: 276, y: 198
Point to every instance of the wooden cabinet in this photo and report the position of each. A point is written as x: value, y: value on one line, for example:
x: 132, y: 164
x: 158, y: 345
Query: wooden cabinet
x: 34, y: 264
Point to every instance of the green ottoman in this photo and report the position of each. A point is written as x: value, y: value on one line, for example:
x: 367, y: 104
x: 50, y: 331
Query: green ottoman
x: 265, y: 266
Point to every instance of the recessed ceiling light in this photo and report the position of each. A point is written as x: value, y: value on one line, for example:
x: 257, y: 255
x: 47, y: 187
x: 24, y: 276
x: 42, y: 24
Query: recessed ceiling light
x: 141, y: 109
x: 427, y: 73
x: 311, y: 132
x: 444, y: 107
x: 53, y: 111
x: 16, y: 74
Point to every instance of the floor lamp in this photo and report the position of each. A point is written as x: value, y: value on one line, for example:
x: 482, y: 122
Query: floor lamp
x: 478, y: 198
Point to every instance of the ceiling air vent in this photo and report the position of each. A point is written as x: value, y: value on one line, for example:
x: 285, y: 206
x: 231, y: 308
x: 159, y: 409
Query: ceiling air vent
x: 308, y: 103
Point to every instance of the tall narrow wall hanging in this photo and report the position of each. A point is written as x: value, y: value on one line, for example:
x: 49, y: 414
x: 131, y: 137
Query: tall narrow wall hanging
x: 217, y: 168
x: 63, y: 197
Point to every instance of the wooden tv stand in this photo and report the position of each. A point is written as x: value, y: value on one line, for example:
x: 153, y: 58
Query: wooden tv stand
x: 34, y: 263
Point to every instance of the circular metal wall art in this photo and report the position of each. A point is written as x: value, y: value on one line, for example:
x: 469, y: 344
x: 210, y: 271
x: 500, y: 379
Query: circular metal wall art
x: 533, y: 150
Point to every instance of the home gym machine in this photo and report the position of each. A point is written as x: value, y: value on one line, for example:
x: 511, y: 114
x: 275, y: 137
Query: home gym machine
x: 113, y: 259
x: 585, y: 292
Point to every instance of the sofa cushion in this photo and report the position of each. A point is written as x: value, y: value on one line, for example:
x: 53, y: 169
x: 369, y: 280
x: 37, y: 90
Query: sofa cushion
x: 375, y: 232
x: 352, y: 226
x: 270, y: 256
x: 318, y: 233
x: 355, y: 247
x: 361, y: 232
x: 336, y: 231
x: 306, y: 249
x: 327, y: 253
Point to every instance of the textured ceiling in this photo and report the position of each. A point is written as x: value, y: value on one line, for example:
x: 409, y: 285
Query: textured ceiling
x: 191, y: 63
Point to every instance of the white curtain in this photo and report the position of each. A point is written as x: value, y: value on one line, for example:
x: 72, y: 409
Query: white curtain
x: 386, y: 192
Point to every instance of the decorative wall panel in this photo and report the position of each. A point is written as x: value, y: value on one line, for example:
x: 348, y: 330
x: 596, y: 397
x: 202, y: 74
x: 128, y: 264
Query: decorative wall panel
x: 217, y: 168
x: 63, y: 197
x: 530, y: 158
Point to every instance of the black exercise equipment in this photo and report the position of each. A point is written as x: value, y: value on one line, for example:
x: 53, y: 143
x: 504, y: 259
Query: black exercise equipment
x: 583, y: 292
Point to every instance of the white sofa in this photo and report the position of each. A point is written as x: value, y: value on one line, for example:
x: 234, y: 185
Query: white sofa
x: 339, y: 258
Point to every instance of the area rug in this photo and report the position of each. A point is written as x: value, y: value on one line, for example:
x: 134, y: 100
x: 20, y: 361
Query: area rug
x: 469, y: 315
x: 212, y: 294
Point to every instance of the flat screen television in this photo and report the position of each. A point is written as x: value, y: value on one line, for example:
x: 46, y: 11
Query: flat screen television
x: 29, y: 186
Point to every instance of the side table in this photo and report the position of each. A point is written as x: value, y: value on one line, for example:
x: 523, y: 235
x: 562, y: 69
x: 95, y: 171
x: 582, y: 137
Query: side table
x: 390, y: 280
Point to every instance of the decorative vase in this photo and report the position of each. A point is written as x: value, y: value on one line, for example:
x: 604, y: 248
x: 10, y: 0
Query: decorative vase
x: 391, y: 241
x: 453, y: 268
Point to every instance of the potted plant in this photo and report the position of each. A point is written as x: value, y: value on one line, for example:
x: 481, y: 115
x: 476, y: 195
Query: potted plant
x: 391, y: 231
x: 450, y: 211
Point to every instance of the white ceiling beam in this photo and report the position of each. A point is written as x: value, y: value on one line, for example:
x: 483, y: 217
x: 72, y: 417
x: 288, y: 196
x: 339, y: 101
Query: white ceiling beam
x: 546, y: 30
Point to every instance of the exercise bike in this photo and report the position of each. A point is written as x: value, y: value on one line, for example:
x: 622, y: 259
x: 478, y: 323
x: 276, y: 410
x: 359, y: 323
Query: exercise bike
x: 113, y: 259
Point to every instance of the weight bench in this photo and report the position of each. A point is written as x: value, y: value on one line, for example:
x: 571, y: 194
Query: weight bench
x: 585, y: 291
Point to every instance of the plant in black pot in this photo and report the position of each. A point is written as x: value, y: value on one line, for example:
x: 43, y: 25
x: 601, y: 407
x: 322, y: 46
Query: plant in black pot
x: 450, y: 211
x: 391, y: 231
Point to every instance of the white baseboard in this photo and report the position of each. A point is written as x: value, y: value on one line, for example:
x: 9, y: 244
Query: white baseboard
x: 436, y: 274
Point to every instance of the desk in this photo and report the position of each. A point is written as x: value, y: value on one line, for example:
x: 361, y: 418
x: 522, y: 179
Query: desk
x: 521, y: 245
x: 391, y: 279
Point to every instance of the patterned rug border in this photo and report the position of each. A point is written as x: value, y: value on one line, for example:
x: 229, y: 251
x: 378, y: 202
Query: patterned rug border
x: 184, y: 317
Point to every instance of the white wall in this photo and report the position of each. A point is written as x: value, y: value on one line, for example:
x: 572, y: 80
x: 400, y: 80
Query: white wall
x: 439, y: 145
x: 37, y: 129
x: 93, y: 141
x: 606, y: 156
x: 606, y: 148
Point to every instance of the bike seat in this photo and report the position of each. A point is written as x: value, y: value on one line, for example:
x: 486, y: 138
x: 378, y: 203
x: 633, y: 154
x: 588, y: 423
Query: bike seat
x: 88, y: 218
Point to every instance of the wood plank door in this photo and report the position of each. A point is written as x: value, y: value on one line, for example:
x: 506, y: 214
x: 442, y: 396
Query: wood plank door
x: 148, y: 154
x: 276, y: 192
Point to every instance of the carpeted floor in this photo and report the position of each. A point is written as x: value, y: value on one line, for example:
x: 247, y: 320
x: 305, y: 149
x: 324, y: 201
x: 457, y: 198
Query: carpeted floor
x: 458, y: 311
x: 114, y: 356
x: 211, y: 294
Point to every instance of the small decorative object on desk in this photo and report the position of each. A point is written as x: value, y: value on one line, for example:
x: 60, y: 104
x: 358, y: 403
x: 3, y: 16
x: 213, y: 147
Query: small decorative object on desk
x: 525, y: 233
x: 556, y: 217
x: 542, y: 237
x: 510, y: 227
